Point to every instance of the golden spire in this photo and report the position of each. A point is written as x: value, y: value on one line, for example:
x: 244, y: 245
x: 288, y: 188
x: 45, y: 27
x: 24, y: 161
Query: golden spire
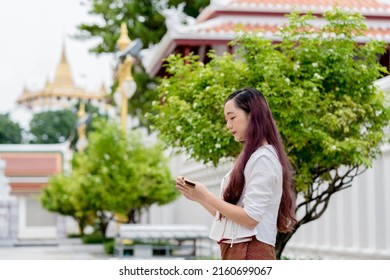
x: 63, y: 76
x: 124, y: 39
x: 59, y: 93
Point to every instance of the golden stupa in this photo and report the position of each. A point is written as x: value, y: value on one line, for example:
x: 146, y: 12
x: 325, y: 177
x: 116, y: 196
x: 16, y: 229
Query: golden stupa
x: 61, y: 93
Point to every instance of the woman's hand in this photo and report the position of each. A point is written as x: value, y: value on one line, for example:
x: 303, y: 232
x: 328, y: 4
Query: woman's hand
x: 198, y: 193
x: 212, y: 203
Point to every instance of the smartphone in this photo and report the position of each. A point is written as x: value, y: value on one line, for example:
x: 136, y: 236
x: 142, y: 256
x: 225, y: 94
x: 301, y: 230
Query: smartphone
x: 189, y: 183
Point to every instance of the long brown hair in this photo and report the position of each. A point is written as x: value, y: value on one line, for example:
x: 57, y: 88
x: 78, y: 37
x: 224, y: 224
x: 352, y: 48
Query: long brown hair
x: 261, y: 127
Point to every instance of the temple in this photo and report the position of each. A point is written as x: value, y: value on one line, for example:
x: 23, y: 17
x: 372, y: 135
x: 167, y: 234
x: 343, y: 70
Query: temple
x: 28, y: 168
x: 217, y: 24
x: 61, y: 93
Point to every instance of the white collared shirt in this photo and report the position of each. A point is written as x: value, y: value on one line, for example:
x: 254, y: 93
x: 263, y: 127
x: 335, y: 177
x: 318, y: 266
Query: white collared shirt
x: 260, y: 199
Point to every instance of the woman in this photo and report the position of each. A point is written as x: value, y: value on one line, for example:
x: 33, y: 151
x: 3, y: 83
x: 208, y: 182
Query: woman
x: 257, y: 198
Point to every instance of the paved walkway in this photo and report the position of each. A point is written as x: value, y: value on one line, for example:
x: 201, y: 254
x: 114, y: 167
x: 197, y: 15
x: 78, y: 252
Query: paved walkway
x: 67, y: 249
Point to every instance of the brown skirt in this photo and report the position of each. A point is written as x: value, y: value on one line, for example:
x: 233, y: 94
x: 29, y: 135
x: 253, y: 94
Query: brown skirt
x: 251, y: 250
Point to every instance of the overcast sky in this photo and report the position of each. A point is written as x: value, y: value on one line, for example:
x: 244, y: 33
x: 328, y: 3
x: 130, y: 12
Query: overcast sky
x: 32, y: 34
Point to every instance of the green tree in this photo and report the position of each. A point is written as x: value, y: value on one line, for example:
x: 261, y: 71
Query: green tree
x: 155, y: 185
x: 144, y: 22
x: 61, y: 196
x: 10, y: 132
x: 52, y: 126
x: 141, y: 16
x: 117, y: 174
x: 320, y: 85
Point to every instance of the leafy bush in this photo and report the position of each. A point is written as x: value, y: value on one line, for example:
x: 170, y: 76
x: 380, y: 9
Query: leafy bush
x: 109, y: 247
x: 95, y: 238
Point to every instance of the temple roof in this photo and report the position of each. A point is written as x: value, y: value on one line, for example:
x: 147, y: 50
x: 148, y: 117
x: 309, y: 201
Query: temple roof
x: 218, y: 22
x: 63, y: 76
x: 365, y: 7
x: 61, y: 86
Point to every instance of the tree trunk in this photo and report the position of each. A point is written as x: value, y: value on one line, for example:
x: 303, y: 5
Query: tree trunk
x: 134, y: 216
x: 81, y: 223
x: 281, y: 242
x: 81, y: 228
x: 103, y: 224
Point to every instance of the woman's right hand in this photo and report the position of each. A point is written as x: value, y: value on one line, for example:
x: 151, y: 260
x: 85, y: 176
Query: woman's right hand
x: 197, y: 193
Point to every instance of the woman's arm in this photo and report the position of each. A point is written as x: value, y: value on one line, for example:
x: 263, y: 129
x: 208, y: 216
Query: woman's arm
x: 212, y: 203
x: 209, y: 208
x: 232, y: 212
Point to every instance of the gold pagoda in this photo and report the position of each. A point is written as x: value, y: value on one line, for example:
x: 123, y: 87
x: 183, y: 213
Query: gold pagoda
x: 61, y: 93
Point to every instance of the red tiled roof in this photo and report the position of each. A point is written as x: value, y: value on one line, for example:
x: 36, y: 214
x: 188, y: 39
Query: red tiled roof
x: 353, y: 4
x: 223, y: 13
x: 372, y: 8
x: 219, y: 21
x: 378, y: 32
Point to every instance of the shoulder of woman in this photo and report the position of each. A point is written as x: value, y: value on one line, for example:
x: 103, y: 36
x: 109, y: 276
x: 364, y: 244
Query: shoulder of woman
x: 267, y: 151
x: 264, y: 155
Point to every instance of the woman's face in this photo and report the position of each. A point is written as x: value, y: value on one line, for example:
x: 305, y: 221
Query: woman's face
x: 237, y: 120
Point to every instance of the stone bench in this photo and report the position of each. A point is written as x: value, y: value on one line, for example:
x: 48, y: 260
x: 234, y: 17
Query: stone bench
x: 149, y: 240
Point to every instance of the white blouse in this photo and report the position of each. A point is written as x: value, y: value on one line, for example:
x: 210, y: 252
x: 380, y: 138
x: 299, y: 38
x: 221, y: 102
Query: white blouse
x: 260, y: 199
